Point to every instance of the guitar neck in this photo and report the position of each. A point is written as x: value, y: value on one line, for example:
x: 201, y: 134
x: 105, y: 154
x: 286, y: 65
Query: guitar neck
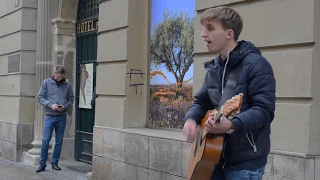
x: 229, y: 108
x: 216, y: 119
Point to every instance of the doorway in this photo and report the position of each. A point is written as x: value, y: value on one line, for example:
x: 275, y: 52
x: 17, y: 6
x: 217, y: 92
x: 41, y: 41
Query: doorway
x: 86, y: 62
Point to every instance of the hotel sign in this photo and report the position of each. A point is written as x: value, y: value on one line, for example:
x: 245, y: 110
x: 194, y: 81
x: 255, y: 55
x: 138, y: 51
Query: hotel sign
x: 87, y: 26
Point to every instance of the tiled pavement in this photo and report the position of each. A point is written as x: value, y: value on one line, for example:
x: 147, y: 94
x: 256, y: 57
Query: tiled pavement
x: 19, y: 171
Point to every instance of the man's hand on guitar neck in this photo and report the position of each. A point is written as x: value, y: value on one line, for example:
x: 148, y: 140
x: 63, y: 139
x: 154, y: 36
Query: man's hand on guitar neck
x: 221, y: 127
x: 190, y: 129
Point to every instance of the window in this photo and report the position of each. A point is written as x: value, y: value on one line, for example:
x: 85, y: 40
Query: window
x: 171, y: 60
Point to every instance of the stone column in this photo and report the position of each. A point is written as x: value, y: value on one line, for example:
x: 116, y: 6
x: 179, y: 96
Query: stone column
x: 44, y: 69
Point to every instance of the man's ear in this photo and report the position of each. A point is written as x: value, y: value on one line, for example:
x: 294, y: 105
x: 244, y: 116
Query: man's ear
x: 230, y: 34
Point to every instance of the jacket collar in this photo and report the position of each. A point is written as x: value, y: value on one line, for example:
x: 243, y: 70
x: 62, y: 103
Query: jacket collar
x: 236, y: 56
x: 63, y: 81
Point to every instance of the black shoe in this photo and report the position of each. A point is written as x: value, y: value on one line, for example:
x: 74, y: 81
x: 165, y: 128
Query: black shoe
x: 56, y: 167
x: 41, y: 168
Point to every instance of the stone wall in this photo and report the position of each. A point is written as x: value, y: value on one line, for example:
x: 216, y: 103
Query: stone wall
x: 122, y: 148
x: 140, y: 154
x: 17, y: 76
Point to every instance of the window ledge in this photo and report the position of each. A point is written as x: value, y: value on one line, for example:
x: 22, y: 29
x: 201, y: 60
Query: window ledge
x: 156, y: 133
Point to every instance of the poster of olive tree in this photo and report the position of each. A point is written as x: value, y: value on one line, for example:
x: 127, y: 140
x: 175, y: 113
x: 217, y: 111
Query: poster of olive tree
x: 171, y: 57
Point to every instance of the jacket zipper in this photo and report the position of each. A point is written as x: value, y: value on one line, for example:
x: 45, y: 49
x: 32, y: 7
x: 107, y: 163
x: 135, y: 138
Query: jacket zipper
x: 225, y: 160
x: 253, y: 145
x: 222, y: 85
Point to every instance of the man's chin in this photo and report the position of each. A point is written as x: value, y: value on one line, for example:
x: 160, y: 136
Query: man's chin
x: 212, y: 50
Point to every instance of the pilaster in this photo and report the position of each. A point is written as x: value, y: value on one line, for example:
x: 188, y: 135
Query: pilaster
x: 44, y: 69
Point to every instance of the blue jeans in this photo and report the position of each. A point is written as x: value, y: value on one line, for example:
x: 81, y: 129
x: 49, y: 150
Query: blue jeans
x: 52, y: 122
x: 247, y: 174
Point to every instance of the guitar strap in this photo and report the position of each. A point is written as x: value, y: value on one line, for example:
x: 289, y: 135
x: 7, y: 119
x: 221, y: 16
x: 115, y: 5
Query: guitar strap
x: 230, y: 88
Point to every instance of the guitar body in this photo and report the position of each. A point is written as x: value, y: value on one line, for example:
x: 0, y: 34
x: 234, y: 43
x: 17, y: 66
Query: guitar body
x: 207, y: 149
x: 204, y: 154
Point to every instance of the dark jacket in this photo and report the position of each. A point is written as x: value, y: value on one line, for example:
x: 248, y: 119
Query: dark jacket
x: 249, y: 145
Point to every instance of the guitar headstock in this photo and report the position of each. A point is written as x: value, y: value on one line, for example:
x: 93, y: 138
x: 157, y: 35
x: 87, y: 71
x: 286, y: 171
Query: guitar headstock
x: 233, y: 105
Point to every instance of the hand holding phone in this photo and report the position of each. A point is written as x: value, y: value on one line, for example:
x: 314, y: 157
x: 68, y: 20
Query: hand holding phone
x: 60, y: 108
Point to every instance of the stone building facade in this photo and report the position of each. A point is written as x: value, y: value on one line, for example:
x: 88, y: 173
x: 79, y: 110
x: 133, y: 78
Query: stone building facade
x: 37, y: 35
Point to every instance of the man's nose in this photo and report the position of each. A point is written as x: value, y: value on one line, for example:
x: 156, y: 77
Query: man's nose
x: 204, y: 33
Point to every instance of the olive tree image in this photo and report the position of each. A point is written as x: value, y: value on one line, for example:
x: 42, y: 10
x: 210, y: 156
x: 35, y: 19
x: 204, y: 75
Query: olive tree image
x: 172, y: 44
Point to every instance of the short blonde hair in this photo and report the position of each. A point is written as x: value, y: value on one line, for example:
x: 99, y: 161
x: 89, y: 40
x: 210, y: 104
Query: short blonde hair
x: 227, y: 17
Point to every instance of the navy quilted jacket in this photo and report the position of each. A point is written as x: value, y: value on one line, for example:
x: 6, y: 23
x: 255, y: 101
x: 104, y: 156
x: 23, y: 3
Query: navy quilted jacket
x: 249, y: 145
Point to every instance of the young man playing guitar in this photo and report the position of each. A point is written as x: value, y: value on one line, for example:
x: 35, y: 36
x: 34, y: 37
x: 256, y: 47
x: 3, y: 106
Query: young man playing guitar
x: 247, y: 138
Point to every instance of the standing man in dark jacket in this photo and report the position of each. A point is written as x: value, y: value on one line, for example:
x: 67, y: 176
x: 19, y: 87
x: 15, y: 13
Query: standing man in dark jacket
x: 56, y: 95
x: 247, y: 140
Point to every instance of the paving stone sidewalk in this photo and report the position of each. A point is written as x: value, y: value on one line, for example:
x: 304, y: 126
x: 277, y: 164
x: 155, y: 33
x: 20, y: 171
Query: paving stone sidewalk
x: 19, y: 171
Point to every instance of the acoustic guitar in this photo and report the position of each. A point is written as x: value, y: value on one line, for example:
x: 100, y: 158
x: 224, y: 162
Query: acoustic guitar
x: 206, y: 151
